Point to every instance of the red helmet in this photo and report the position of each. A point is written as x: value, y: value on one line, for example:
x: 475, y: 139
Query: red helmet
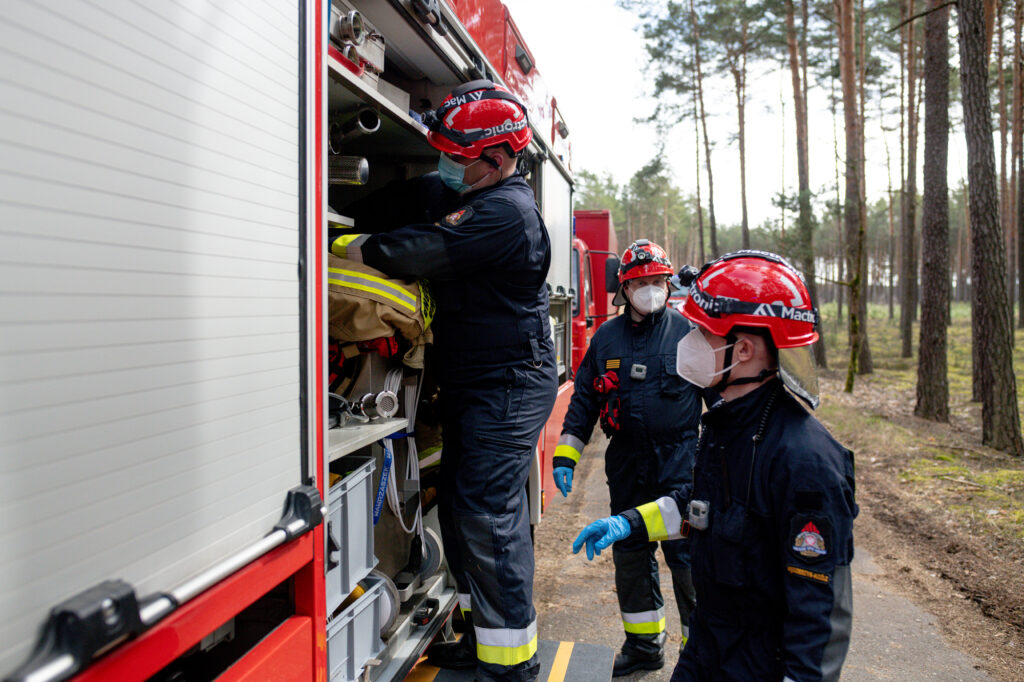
x: 642, y: 259
x: 752, y: 289
x: 476, y: 116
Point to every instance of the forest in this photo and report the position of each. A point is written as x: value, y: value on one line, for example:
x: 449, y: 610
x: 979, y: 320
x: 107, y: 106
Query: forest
x: 924, y: 275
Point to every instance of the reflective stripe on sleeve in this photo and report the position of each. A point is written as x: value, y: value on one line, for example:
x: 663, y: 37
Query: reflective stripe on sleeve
x: 349, y: 246
x: 644, y: 622
x: 504, y: 646
x: 570, y: 447
x: 662, y: 519
x: 464, y: 602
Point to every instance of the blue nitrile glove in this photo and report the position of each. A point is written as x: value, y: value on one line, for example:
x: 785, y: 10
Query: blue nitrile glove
x: 563, y: 479
x: 601, y: 534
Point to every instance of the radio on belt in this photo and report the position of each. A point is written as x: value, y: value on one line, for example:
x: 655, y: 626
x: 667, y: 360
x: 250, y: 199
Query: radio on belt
x: 697, y: 511
x: 638, y: 372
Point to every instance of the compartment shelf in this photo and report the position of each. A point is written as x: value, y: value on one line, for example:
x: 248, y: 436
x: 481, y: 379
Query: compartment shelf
x: 345, y: 439
x: 410, y: 640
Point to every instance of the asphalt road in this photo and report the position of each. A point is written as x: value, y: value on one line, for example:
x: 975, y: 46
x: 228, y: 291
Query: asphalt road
x: 892, y: 638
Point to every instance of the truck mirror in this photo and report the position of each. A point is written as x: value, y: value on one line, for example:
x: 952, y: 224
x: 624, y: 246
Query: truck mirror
x: 611, y: 274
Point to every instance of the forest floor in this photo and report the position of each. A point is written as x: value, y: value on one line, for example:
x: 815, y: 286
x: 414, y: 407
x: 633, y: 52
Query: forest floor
x: 942, y: 515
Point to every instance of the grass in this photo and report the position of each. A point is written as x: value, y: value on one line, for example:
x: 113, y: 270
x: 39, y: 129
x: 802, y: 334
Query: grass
x: 933, y: 461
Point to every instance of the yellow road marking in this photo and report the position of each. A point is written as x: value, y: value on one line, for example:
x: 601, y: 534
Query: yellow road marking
x: 561, y: 662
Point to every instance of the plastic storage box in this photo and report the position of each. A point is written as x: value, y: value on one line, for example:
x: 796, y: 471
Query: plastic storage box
x: 350, y: 525
x: 353, y: 637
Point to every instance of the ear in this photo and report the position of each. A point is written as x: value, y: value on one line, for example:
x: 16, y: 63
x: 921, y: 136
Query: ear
x: 744, y: 349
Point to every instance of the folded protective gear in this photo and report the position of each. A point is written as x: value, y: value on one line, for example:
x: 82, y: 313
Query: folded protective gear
x: 695, y: 359
x: 647, y: 299
x: 364, y: 305
x: 601, y: 534
x: 607, y: 382
x: 563, y: 480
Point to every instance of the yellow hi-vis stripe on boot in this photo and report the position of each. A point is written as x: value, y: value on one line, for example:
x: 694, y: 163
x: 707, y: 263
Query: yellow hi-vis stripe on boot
x: 503, y: 646
x: 373, y: 285
x: 644, y: 623
x: 662, y: 519
x: 570, y: 447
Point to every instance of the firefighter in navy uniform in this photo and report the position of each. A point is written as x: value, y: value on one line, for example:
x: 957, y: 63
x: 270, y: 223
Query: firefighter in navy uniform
x: 628, y: 380
x: 486, y: 261
x: 771, y: 508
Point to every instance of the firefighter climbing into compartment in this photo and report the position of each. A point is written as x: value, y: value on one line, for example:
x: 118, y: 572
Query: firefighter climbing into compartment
x: 628, y: 381
x: 474, y: 231
x: 771, y: 508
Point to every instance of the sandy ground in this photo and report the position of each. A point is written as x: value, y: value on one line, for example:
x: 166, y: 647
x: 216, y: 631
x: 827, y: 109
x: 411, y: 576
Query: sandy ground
x: 910, y: 622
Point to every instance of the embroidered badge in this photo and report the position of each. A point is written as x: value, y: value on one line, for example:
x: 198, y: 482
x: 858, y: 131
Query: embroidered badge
x: 809, y: 543
x: 458, y: 217
x: 613, y: 363
x: 809, y: 575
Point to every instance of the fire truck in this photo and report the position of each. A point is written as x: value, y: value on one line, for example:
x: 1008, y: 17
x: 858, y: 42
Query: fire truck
x: 184, y: 495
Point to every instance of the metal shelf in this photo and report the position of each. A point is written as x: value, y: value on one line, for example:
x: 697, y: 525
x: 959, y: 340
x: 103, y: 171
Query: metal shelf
x: 343, y: 440
x: 409, y: 641
x: 338, y: 220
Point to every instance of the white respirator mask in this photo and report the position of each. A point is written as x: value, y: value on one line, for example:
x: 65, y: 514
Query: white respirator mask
x: 695, y: 359
x: 648, y: 299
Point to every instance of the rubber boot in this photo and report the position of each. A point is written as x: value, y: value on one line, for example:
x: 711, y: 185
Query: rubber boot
x: 460, y: 655
x: 630, y: 659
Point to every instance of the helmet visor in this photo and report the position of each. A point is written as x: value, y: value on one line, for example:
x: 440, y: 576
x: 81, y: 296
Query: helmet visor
x: 799, y: 373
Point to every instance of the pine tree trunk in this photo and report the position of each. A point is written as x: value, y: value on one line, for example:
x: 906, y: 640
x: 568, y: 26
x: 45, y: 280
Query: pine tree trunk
x: 932, y: 379
x: 865, y: 364
x: 1005, y: 217
x: 908, y: 269
x: 804, y: 242
x: 1018, y: 149
x: 1000, y: 421
x: 851, y: 209
x: 696, y: 156
x: 712, y: 228
x: 739, y: 74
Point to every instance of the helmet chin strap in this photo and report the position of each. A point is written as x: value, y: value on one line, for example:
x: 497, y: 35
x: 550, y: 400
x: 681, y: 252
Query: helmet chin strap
x: 724, y: 382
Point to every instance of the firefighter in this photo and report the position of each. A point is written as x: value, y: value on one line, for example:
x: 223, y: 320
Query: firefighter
x: 628, y: 381
x: 771, y: 508
x: 486, y: 259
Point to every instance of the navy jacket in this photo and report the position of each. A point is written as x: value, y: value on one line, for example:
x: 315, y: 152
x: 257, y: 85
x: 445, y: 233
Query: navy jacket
x: 772, y: 569
x: 486, y: 259
x: 652, y: 452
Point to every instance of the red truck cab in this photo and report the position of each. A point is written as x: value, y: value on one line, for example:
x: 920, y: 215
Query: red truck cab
x: 595, y: 265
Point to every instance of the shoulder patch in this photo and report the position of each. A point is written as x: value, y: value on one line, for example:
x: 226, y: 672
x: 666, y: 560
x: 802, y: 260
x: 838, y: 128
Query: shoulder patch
x: 822, y: 578
x: 613, y: 363
x: 458, y: 217
x: 810, y: 537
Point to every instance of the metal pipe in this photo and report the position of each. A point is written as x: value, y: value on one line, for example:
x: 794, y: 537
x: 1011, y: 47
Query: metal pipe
x: 347, y: 170
x: 348, y: 27
x: 365, y: 122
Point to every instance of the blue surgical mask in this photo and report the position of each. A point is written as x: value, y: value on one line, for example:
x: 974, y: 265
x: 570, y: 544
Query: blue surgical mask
x: 453, y: 173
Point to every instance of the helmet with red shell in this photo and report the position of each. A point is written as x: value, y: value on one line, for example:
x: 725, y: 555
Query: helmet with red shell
x: 642, y: 258
x: 752, y: 289
x: 478, y: 115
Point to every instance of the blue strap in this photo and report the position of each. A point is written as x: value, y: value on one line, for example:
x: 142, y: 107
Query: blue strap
x: 382, y: 486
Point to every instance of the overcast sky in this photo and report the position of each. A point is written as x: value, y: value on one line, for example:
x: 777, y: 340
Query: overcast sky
x: 593, y: 61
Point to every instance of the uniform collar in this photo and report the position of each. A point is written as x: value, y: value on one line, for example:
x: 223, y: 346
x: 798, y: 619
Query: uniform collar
x: 648, y: 321
x: 483, y: 190
x: 742, y: 412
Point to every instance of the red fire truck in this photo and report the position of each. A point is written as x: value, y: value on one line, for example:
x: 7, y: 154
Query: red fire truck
x: 176, y: 504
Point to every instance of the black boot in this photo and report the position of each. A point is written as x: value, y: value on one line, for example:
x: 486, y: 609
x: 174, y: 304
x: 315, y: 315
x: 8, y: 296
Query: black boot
x: 460, y: 655
x: 631, y: 661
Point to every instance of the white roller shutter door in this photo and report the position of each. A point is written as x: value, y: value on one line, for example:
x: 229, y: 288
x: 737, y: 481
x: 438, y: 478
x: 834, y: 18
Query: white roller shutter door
x: 149, y: 292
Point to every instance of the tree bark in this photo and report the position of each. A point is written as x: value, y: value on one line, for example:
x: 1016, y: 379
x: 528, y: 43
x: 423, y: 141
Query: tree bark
x: 1018, y: 150
x: 712, y: 228
x: 865, y: 365
x: 908, y: 269
x: 932, y: 379
x: 804, y: 242
x: 739, y: 74
x: 851, y: 210
x: 696, y: 155
x: 1005, y: 215
x: 1000, y: 421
